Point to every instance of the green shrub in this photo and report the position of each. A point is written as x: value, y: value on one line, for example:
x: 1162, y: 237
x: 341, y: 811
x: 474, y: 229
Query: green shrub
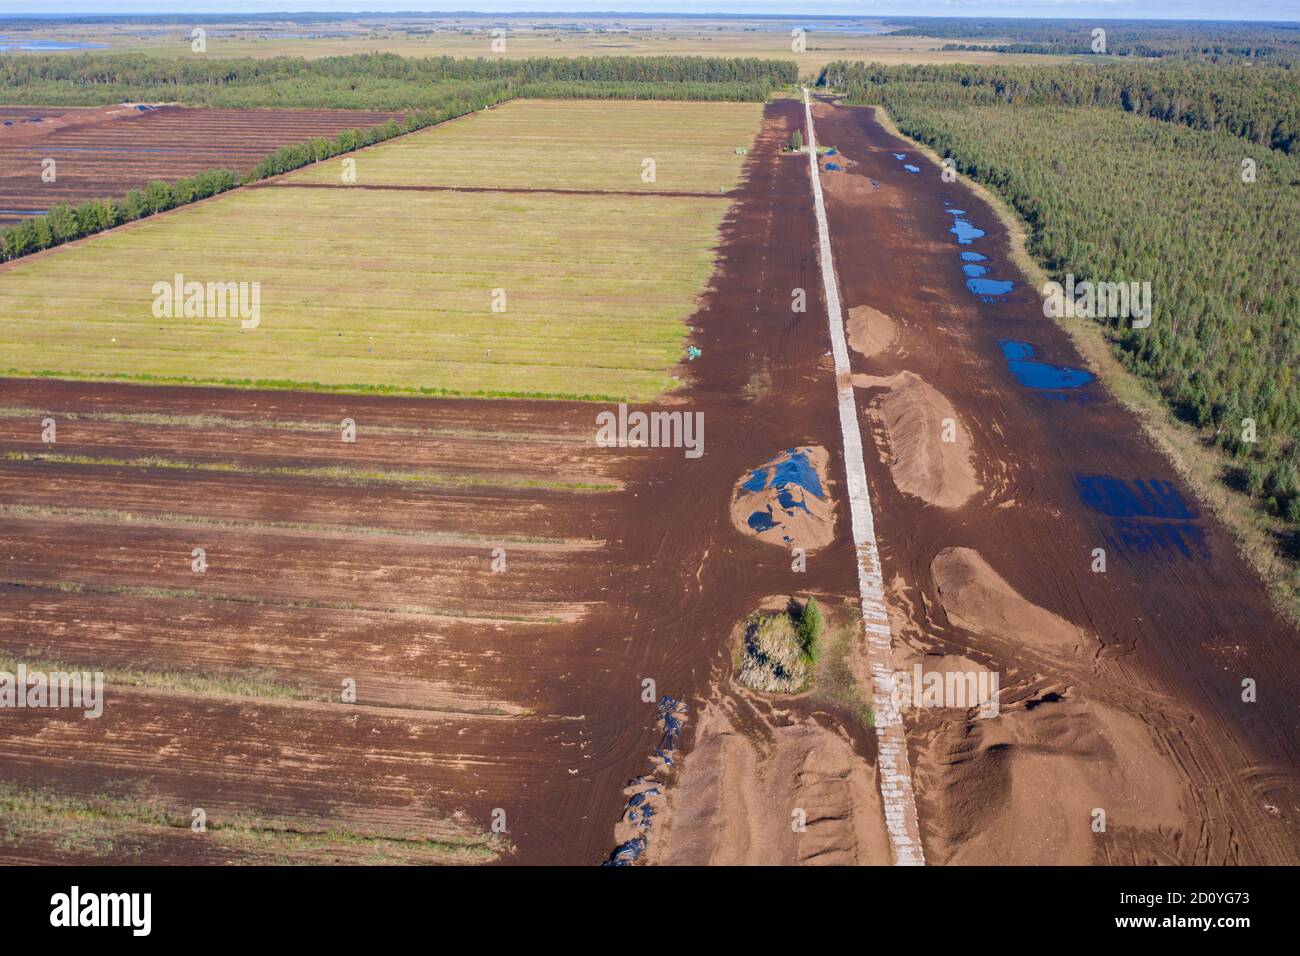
x: 810, y: 628
x: 780, y: 649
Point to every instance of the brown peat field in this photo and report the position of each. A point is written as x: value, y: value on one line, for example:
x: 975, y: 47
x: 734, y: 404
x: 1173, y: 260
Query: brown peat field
x: 364, y: 586
x: 51, y: 155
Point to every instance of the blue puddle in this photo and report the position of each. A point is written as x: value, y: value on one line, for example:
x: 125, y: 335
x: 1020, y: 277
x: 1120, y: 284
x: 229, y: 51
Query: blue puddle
x: 1144, y: 498
x: 1185, y: 539
x: 833, y: 167
x: 989, y: 290
x: 908, y: 166
x: 1148, y: 516
x: 1055, y: 382
x: 965, y: 232
x: 1040, y: 375
x: 639, y: 812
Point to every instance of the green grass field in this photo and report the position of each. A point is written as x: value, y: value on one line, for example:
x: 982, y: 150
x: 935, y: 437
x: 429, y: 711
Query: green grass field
x: 393, y: 290
x: 583, y: 144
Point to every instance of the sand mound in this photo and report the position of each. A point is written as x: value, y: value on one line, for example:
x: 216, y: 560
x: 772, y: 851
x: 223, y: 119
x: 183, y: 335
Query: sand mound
x: 916, y: 420
x: 1023, y: 788
x: 733, y: 805
x: 854, y: 187
x: 870, y: 330
x: 785, y: 502
x: 977, y: 598
x: 947, y: 682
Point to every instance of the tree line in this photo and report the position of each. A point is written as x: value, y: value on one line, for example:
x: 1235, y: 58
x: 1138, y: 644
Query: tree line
x: 379, y: 81
x: 1215, y: 41
x: 1257, y: 103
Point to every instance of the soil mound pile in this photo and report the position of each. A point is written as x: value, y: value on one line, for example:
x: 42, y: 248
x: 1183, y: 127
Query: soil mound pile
x: 930, y: 453
x: 735, y: 803
x: 870, y: 330
x: 977, y: 598
x: 1026, y: 789
x: 785, y: 501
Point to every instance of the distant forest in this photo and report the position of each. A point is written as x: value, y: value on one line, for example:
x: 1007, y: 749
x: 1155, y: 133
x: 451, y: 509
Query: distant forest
x: 1202, y: 40
x: 375, y: 81
x: 1257, y: 103
x: 1135, y: 173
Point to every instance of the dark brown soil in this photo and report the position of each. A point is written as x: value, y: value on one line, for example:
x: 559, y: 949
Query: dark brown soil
x: 106, y: 152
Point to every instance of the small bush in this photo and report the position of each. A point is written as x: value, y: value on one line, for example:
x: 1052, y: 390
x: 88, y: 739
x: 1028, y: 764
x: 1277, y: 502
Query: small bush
x: 780, y: 649
x: 810, y: 628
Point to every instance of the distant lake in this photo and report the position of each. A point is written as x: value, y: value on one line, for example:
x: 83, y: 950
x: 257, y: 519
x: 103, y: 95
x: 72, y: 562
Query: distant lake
x: 49, y: 46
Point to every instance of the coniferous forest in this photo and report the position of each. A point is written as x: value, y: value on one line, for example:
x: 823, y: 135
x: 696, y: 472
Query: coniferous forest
x: 374, y: 81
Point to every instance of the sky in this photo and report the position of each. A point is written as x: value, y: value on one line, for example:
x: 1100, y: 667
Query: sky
x: 1108, y: 9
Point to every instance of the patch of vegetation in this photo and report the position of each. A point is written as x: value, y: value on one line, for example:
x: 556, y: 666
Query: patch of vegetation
x: 284, y: 424
x: 834, y: 680
x: 1259, y: 104
x: 253, y: 682
x: 163, y: 519
x: 780, y: 649
x: 64, y: 223
x: 406, y: 610
x: 592, y: 314
x: 99, y: 824
x: 331, y: 473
